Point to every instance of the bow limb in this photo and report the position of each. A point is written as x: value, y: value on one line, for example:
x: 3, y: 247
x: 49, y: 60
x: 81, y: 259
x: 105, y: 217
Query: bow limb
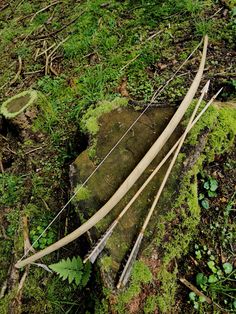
x: 133, y: 176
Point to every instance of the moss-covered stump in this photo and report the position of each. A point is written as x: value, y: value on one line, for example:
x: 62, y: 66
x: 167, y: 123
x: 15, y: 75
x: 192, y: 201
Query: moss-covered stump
x: 23, y: 109
x: 154, y: 279
x: 116, y: 168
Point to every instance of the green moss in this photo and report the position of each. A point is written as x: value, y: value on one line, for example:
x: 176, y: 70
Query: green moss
x: 222, y: 123
x: 106, y: 263
x: 150, y: 304
x: 140, y: 275
x: 83, y: 193
x: 90, y: 120
x: 166, y: 298
x: 6, y: 301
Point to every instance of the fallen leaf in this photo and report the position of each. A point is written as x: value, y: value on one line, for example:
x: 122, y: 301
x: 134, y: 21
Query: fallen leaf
x: 122, y: 89
x: 161, y: 66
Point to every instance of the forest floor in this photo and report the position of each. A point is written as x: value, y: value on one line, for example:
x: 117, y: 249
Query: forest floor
x: 78, y: 53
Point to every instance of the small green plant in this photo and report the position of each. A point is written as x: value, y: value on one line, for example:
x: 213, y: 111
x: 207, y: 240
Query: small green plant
x: 210, y: 187
x: 73, y: 270
x: 11, y: 189
x: 196, y: 300
x: 216, y: 283
x: 47, y: 238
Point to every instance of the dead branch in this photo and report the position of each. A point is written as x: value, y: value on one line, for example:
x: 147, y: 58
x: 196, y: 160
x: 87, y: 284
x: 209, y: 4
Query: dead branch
x: 27, y: 244
x: 18, y: 72
x: 1, y: 165
x: 60, y: 29
x: 45, y: 51
x: 4, y: 7
x: 53, y: 70
x: 44, y: 9
x: 195, y: 290
x: 33, y: 150
x: 48, y: 57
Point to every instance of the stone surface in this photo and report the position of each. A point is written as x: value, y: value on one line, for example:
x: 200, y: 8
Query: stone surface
x: 112, y: 173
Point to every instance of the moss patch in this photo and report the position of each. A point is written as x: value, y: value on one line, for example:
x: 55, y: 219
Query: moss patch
x: 181, y: 229
x: 82, y: 193
x: 90, y: 120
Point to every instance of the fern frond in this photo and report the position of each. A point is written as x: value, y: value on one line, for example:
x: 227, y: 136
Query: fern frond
x: 69, y: 269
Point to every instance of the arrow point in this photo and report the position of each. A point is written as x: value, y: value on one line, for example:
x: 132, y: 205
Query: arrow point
x: 206, y: 87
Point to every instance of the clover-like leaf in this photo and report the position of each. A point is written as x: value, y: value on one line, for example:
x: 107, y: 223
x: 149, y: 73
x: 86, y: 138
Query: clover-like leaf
x: 228, y: 268
x: 213, y: 185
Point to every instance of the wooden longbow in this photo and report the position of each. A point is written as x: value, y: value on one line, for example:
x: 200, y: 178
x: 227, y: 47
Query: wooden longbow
x: 133, y: 176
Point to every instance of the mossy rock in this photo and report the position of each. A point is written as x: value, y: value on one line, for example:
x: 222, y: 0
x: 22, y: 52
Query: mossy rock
x: 114, y: 170
x: 177, y: 215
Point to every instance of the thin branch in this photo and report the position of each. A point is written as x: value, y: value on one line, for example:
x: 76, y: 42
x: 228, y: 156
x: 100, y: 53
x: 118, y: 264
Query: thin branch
x: 33, y: 150
x: 60, y: 29
x: 1, y: 165
x: 44, y: 9
x: 195, y: 290
x: 128, y: 63
x: 18, y: 72
x: 44, y: 52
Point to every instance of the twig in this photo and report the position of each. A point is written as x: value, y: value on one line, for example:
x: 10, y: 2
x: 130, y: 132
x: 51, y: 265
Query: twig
x: 224, y: 74
x: 60, y: 29
x: 45, y: 204
x: 3, y: 289
x: 33, y: 150
x: 18, y: 72
x: 53, y: 70
x: 44, y: 9
x: 10, y: 150
x: 33, y: 72
x: 1, y: 165
x: 128, y: 63
x: 4, y: 235
x: 44, y: 52
x: 4, y: 137
x: 36, y: 54
x: 154, y: 35
x: 149, y: 38
x: 52, y: 53
x: 27, y: 244
x: 59, y: 44
x: 4, y: 7
x: 195, y: 290
x: 220, y: 9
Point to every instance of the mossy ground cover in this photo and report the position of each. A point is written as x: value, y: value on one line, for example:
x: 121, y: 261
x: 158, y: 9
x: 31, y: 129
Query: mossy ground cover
x: 120, y: 47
